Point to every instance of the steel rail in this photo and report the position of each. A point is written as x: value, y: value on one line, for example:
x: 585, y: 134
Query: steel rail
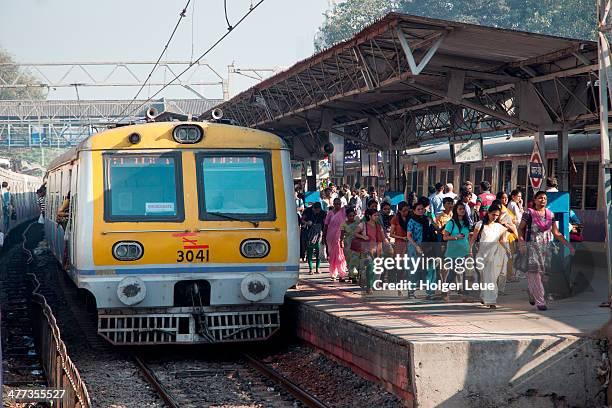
x: 306, y: 398
x: 152, y: 379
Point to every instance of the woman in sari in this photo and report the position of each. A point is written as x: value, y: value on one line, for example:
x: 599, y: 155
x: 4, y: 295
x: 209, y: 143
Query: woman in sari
x: 331, y: 236
x: 508, y: 216
x: 371, y: 233
x: 492, y: 250
x: 420, y: 230
x: 456, y: 233
x: 347, y: 233
x: 398, y: 231
x: 538, y: 227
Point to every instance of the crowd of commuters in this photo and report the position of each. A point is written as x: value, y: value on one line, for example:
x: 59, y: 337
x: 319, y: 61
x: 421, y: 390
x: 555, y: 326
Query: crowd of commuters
x: 350, y: 228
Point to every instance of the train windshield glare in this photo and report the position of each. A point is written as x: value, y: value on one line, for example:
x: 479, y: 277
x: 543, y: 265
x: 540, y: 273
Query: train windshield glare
x: 141, y: 187
x: 237, y: 185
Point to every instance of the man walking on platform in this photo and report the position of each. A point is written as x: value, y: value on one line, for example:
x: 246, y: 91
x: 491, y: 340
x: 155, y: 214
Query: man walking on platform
x: 469, y: 187
x: 8, y: 206
x: 436, y: 199
x: 448, y: 191
x: 485, y: 198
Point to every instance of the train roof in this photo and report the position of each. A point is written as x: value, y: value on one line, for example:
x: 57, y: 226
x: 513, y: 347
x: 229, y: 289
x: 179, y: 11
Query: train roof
x: 158, y: 135
x: 500, y: 146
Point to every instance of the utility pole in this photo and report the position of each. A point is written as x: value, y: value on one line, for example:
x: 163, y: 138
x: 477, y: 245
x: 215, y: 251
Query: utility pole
x: 605, y: 90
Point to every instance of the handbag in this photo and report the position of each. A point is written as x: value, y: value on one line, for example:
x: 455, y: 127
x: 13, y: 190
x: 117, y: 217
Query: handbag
x: 476, y: 246
x: 14, y: 215
x: 359, y: 244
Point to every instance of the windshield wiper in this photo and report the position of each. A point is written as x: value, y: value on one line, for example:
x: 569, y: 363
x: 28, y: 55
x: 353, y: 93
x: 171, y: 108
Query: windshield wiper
x: 229, y: 217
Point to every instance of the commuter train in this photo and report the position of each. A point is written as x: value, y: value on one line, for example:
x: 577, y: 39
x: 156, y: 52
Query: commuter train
x: 23, y: 189
x: 505, y: 166
x: 182, y: 232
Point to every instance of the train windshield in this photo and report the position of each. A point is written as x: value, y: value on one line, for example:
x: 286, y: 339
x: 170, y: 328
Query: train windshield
x: 235, y: 185
x: 143, y: 187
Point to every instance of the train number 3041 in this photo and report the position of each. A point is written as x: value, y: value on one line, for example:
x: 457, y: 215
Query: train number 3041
x: 189, y: 255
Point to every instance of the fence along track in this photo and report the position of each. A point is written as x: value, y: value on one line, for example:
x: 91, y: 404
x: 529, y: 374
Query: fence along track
x: 61, y: 371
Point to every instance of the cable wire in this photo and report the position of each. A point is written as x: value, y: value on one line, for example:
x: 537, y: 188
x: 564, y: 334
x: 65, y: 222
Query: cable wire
x: 182, y: 14
x: 176, y: 77
x: 229, y: 26
x: 192, y: 21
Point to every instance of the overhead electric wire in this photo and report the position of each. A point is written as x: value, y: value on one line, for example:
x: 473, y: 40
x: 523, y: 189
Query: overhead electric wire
x: 181, y: 16
x: 192, y: 21
x: 251, y: 9
x: 229, y: 26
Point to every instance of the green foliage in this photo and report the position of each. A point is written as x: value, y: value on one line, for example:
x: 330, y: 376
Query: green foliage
x: 566, y: 18
x: 10, y: 73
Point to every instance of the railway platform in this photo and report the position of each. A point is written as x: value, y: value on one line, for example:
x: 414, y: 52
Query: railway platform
x: 436, y: 354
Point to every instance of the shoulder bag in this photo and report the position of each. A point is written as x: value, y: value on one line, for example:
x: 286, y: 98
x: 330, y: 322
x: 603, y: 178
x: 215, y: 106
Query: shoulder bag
x: 358, y: 244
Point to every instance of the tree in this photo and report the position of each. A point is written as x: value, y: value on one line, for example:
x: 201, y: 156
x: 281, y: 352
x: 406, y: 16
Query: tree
x: 10, y: 74
x: 566, y: 18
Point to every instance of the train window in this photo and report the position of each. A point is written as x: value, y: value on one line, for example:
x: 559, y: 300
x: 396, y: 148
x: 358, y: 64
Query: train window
x: 552, y: 167
x: 447, y: 176
x: 504, y: 176
x: 431, y: 175
x: 143, y: 187
x: 577, y: 186
x: 523, y: 184
x: 465, y: 171
x: 410, y: 182
x: 591, y: 182
x: 235, y: 186
x: 480, y: 175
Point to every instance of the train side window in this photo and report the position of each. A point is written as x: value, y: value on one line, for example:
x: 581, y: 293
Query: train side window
x: 432, y: 171
x: 504, y: 176
x: 410, y: 182
x: 465, y: 172
x: 143, y: 187
x: 235, y: 185
x: 477, y: 180
x: 552, y: 167
x: 591, y: 182
x: 576, y: 180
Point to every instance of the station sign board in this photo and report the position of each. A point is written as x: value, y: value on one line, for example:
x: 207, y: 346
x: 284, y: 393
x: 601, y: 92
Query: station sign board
x: 536, y: 168
x: 337, y: 157
x: 467, y: 151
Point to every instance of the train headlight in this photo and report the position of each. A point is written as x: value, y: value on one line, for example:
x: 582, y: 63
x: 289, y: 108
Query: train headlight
x: 127, y: 251
x: 254, y: 248
x: 131, y: 291
x: 255, y: 287
x: 187, y: 133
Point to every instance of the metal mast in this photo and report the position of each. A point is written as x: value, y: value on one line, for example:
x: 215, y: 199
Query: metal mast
x: 605, y: 90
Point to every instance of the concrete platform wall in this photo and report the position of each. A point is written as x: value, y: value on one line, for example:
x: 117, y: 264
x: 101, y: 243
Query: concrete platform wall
x: 553, y: 371
x: 373, y: 354
x: 547, y: 372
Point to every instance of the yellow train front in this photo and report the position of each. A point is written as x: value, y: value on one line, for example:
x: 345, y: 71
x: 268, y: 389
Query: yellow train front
x: 183, y: 232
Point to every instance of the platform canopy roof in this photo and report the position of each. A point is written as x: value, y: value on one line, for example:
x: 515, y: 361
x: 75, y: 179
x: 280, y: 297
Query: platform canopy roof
x: 408, y: 79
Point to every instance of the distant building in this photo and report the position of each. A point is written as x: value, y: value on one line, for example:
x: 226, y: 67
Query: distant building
x: 5, y: 164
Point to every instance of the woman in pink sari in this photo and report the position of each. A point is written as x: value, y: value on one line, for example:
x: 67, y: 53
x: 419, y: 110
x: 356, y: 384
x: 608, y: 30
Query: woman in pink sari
x: 331, y: 236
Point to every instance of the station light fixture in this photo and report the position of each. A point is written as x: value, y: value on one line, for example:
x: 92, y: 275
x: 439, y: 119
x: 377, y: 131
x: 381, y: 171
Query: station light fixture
x: 187, y: 134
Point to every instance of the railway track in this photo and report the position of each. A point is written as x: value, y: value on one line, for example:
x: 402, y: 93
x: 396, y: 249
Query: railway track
x: 243, y: 381
x: 22, y: 361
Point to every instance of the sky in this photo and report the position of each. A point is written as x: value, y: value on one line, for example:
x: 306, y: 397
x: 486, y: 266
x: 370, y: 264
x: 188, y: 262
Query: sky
x: 276, y: 35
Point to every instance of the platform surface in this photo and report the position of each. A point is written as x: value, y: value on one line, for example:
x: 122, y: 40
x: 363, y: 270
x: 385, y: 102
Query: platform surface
x: 420, y: 320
